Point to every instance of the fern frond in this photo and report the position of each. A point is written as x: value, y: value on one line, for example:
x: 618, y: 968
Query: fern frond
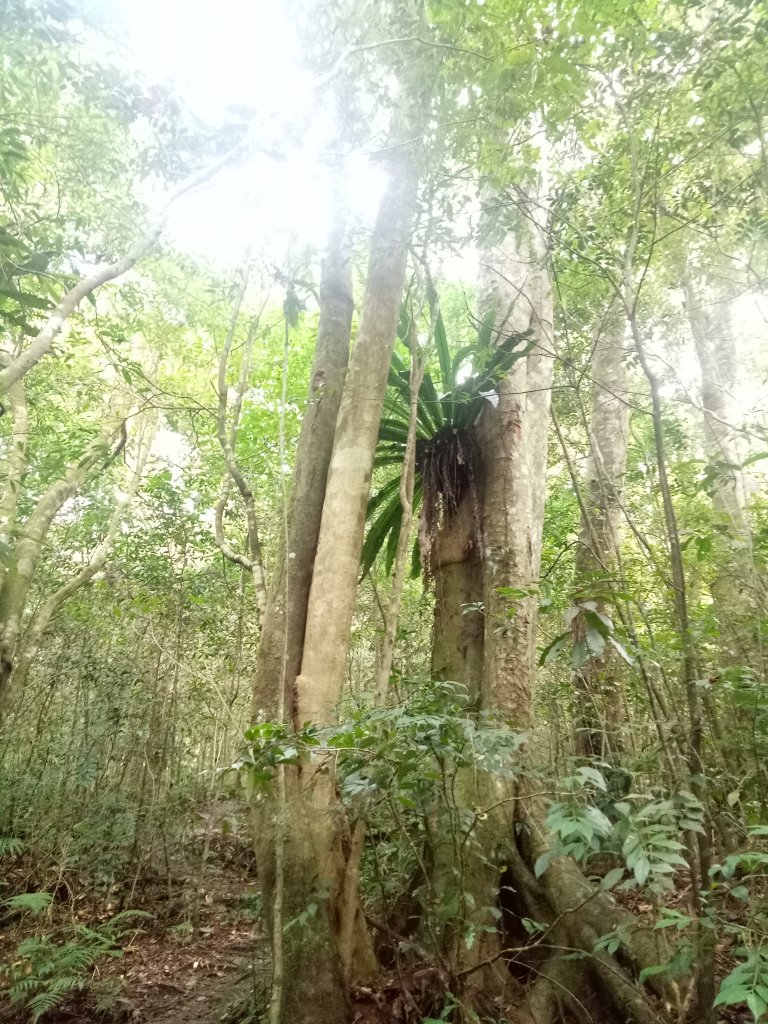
x: 29, y: 902
x: 10, y: 846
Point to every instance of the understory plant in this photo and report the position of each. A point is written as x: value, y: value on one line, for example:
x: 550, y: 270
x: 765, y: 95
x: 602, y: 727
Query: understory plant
x: 401, y: 770
x: 49, y: 968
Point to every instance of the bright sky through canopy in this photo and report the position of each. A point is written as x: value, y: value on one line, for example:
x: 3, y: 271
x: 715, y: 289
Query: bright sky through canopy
x: 231, y: 62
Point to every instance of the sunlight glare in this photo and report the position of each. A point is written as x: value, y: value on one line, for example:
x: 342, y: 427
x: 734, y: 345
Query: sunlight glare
x: 231, y: 63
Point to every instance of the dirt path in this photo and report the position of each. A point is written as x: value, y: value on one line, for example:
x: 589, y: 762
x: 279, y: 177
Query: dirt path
x: 185, y: 974
x: 194, y: 982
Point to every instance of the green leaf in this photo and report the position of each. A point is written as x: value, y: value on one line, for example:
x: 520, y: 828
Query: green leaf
x: 641, y: 869
x: 649, y: 972
x: 444, y: 354
x: 611, y: 879
x: 757, y: 457
x: 25, y: 298
x: 588, y: 774
x: 388, y: 519
x: 730, y: 994
x: 30, y: 902
x: 620, y: 650
x: 595, y: 642
x: 553, y: 651
x: 599, y: 623
x: 543, y: 862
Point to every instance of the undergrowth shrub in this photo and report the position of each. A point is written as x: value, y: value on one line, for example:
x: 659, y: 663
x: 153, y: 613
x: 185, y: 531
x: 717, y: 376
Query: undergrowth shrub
x: 46, y: 970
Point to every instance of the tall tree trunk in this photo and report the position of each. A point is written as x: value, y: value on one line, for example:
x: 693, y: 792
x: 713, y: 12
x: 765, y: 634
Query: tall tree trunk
x: 457, y: 642
x: 736, y: 590
x: 516, y: 296
x: 282, y: 636
x: 502, y: 820
x: 598, y: 689
x: 488, y: 555
x: 334, y: 580
x: 16, y: 462
x: 280, y: 842
x: 457, y: 657
x: 317, y: 862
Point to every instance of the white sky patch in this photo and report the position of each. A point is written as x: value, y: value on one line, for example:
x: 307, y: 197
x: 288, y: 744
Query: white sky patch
x: 174, y: 452
x: 236, y: 61
x: 218, y: 53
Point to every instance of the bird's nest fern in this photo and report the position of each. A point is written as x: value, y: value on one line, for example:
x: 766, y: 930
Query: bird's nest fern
x: 450, y: 403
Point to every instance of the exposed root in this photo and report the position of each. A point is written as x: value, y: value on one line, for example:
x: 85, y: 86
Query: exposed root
x: 557, y: 973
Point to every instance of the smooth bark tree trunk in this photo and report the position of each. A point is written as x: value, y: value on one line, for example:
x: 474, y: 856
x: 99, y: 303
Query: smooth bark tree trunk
x: 457, y: 642
x: 281, y: 642
x: 334, y: 580
x: 317, y: 866
x: 736, y: 590
x: 282, y: 636
x: 598, y: 682
x: 16, y: 462
x: 516, y: 296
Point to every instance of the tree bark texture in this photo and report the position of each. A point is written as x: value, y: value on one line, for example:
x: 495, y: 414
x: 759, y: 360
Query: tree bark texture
x: 320, y: 852
x: 515, y: 295
x: 278, y: 819
x: 457, y: 642
x: 282, y: 636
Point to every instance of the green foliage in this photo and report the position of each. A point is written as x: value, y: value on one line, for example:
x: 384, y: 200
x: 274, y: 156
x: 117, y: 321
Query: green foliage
x: 398, y: 768
x: 450, y: 403
x: 10, y: 846
x: 403, y: 751
x: 654, y: 123
x: 747, y: 983
x: 28, y: 902
x: 45, y: 971
x: 596, y: 633
x: 648, y: 833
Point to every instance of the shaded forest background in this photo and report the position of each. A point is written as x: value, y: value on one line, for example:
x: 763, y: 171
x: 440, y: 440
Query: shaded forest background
x: 529, y: 713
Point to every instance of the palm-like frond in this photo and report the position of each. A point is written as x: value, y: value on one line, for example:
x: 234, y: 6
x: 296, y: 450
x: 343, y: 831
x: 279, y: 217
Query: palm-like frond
x: 385, y: 514
x: 466, y: 379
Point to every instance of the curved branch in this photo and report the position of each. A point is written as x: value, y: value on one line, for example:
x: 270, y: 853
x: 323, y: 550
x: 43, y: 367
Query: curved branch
x: 16, y: 462
x: 28, y: 549
x: 223, y: 544
x: 46, y: 612
x: 45, y: 337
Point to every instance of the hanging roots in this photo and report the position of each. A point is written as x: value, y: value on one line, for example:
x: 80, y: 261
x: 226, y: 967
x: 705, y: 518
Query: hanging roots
x: 447, y: 463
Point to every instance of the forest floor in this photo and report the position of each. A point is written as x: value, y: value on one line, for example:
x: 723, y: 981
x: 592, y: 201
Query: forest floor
x: 192, y: 961
x: 197, y: 955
